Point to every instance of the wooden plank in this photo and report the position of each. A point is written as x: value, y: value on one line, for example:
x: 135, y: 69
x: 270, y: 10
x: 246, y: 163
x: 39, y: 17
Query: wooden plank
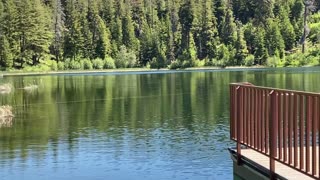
x: 281, y: 169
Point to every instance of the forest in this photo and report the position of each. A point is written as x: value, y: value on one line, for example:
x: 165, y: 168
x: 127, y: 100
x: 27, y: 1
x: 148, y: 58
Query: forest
x: 49, y: 35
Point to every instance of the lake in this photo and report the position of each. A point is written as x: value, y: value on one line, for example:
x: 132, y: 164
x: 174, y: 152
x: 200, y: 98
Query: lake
x: 128, y: 126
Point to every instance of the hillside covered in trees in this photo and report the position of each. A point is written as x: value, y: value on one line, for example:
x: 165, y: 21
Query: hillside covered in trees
x: 86, y: 34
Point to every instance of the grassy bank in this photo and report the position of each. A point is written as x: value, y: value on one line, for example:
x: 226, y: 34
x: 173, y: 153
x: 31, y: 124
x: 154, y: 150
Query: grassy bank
x: 127, y: 70
x: 109, y: 65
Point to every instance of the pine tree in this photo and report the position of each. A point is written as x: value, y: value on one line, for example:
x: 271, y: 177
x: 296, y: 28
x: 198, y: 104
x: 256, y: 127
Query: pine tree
x: 186, y: 20
x: 260, y: 50
x: 107, y: 11
x: 243, y: 10
x: 275, y: 43
x: 116, y: 26
x: 6, y: 57
x: 156, y: 31
x: 205, y: 31
x: 173, y: 30
x: 287, y: 30
x: 220, y: 11
x: 58, y: 26
x: 8, y: 26
x: 1, y: 16
x: 262, y: 10
x: 103, y: 44
x: 41, y: 34
x: 128, y: 35
x: 240, y: 45
x: 228, y: 29
x: 73, y: 40
x: 22, y: 31
x: 249, y: 36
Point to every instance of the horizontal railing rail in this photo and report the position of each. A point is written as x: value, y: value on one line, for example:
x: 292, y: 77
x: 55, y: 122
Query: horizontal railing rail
x: 282, y: 124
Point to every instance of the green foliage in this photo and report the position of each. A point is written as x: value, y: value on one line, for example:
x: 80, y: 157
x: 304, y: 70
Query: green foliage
x: 109, y: 63
x: 210, y: 62
x: 61, y: 66
x: 273, y: 61
x: 249, y: 60
x: 287, y: 30
x: 75, y: 65
x: 260, y: 50
x: 275, y: 42
x: 154, y: 64
x: 198, y: 63
x: 240, y: 46
x: 315, y: 18
x: 293, y: 60
x: 6, y: 57
x: 314, y: 35
x: 125, y: 58
x: 43, y: 66
x: 175, y: 65
x: 123, y: 34
x: 186, y: 64
x: 186, y: 20
x: 98, y: 63
x: 53, y: 65
x: 228, y: 29
x: 87, y: 64
x: 225, y: 56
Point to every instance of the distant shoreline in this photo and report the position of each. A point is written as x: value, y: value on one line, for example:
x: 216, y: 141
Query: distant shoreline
x: 131, y: 70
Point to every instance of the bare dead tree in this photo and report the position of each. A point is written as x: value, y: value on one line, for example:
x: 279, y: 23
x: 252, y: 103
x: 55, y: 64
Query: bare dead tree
x: 308, y: 8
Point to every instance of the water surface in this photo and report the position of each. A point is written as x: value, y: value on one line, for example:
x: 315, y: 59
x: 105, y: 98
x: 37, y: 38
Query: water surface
x: 128, y: 126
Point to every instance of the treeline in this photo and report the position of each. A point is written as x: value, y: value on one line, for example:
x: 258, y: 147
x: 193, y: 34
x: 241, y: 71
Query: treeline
x: 86, y: 34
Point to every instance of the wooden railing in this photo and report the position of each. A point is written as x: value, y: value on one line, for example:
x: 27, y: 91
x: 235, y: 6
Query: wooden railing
x: 281, y: 124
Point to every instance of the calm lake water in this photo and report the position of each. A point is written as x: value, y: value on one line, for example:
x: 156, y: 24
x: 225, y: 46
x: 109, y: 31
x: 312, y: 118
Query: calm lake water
x: 166, y: 125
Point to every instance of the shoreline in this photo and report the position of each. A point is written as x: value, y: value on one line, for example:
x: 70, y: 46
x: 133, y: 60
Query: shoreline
x: 135, y: 70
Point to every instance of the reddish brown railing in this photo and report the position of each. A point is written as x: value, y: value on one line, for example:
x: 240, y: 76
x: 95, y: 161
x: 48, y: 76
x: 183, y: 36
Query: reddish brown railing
x: 281, y: 124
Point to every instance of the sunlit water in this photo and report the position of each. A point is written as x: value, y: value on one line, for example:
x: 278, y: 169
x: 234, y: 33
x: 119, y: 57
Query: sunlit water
x: 166, y: 125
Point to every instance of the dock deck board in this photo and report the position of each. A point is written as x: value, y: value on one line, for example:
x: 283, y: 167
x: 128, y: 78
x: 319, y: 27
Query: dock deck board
x: 281, y: 169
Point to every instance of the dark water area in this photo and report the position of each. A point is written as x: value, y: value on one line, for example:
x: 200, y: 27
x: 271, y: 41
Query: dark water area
x: 167, y: 125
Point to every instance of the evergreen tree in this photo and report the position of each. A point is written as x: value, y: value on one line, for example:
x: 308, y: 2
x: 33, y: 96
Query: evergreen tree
x: 186, y: 20
x: 6, y: 57
x: 73, y: 41
x: 249, y: 36
x: 260, y: 50
x: 296, y: 19
x: 243, y: 10
x: 103, y: 44
x: 58, y: 26
x: 240, y: 46
x: 128, y: 35
x: 173, y: 30
x: 228, y: 29
x: 275, y: 43
x: 107, y: 11
x: 22, y: 31
x: 262, y: 10
x: 8, y: 27
x: 155, y: 31
x: 287, y: 30
x: 32, y: 32
x: 205, y: 31
x: 41, y: 35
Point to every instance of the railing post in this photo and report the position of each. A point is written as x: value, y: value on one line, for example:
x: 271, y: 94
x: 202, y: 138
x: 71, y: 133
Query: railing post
x: 239, y: 107
x: 273, y: 110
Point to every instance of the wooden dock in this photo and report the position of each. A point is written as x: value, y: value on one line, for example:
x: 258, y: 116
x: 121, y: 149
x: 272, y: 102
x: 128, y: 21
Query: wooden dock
x: 280, y: 169
x: 278, y: 130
